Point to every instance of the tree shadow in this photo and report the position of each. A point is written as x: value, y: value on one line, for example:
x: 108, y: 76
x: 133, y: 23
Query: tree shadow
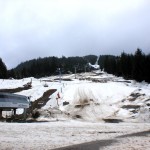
x: 143, y: 133
x: 97, y: 145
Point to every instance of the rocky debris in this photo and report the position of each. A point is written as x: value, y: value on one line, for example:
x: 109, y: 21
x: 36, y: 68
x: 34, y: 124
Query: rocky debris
x: 124, y: 81
x: 47, y: 80
x: 77, y: 117
x: 45, y: 85
x: 131, y: 106
x: 29, y: 84
x: 65, y: 103
x: 96, y: 80
x: 148, y: 104
x: 62, y: 79
x: 39, y: 112
x: 48, y: 114
x: 110, y: 120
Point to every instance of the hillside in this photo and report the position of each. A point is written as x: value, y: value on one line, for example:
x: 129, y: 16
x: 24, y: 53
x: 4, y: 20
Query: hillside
x: 128, y: 66
x: 91, y: 96
x: 93, y: 107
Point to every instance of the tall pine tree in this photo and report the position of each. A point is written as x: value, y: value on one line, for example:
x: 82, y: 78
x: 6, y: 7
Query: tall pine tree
x: 138, y: 64
x: 3, y: 70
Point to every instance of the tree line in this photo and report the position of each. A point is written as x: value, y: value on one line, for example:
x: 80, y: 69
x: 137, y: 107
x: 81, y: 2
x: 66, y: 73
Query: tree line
x: 48, y: 66
x: 130, y: 66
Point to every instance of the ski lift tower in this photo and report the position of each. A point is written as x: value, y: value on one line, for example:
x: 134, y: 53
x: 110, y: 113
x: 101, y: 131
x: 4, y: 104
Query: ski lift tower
x: 75, y: 71
x: 59, y: 75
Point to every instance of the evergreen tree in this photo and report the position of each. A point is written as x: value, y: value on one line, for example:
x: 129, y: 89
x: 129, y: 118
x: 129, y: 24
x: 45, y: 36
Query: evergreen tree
x: 3, y: 70
x: 125, y: 65
x: 11, y: 73
x: 138, y: 65
x: 110, y: 64
x: 147, y: 68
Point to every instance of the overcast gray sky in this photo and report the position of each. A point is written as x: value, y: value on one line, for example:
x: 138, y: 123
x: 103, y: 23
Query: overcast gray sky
x: 39, y: 28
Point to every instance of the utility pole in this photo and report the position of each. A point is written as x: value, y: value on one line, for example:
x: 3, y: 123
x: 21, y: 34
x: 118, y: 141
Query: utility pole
x: 25, y: 114
x: 85, y: 69
x: 59, y: 75
x: 75, y: 70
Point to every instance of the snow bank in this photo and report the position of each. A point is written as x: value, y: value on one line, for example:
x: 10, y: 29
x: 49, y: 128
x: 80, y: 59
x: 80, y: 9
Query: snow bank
x: 94, y: 101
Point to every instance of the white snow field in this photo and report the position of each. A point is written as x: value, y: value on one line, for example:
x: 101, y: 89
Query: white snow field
x: 78, y: 112
x: 44, y: 136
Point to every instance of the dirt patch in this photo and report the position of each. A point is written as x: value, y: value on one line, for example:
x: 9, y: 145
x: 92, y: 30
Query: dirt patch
x: 77, y: 117
x: 81, y: 105
x: 47, y: 80
x: 42, y: 100
x: 63, y: 79
x: 15, y: 90
x: 134, y: 96
x: 131, y: 106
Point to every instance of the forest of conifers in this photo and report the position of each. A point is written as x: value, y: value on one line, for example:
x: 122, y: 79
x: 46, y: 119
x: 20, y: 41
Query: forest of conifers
x: 130, y: 66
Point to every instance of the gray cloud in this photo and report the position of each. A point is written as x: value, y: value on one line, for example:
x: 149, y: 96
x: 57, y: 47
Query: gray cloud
x: 39, y: 28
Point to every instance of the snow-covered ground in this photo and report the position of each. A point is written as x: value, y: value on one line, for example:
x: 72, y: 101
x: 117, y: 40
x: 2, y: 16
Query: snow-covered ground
x: 77, y: 111
x: 44, y: 136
